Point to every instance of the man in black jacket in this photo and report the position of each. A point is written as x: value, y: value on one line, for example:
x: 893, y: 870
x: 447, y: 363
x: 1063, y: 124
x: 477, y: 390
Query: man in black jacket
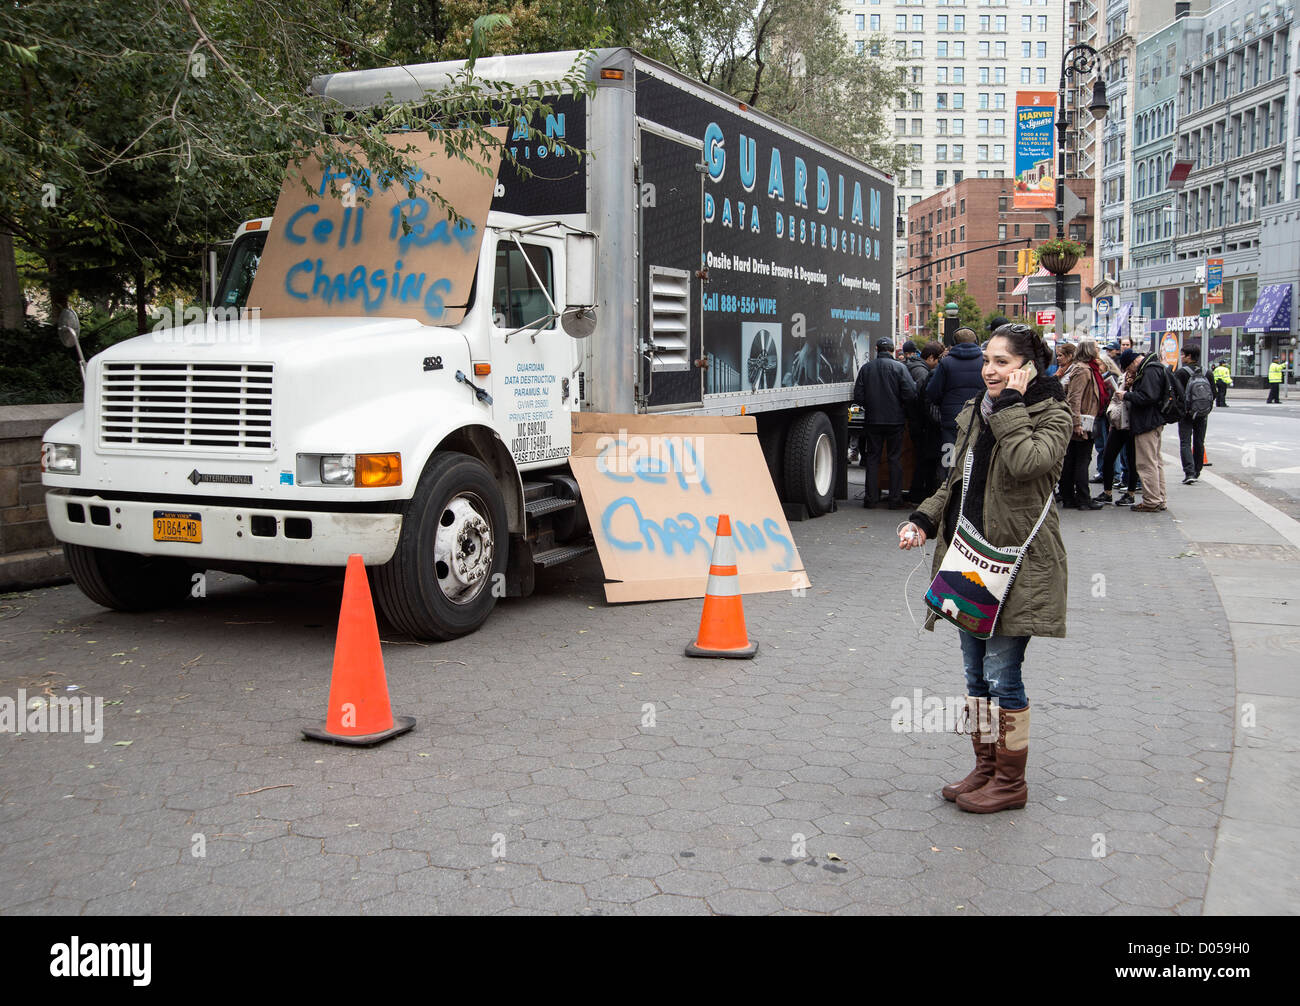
x: 883, y: 389
x: 923, y: 423
x: 1146, y: 425
x: 957, y: 379
x: 1191, y: 428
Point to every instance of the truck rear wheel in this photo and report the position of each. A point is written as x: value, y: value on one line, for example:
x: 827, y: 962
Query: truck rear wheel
x: 810, y: 463
x: 442, y: 581
x: 125, y: 581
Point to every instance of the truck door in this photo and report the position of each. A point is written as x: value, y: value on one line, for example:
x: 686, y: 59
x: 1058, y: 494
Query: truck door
x: 671, y: 200
x: 531, y: 356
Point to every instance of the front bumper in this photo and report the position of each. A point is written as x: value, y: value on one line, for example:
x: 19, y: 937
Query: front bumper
x: 241, y: 534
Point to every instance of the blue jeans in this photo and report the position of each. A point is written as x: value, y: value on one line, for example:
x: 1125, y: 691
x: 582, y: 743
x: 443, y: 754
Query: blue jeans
x: 993, y: 668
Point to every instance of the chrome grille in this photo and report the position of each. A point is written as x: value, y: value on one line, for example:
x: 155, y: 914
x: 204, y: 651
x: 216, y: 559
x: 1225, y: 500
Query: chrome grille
x: 186, y: 406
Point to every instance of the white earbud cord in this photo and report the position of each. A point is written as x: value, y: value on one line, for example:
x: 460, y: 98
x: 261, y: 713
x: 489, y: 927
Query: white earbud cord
x: 907, y: 584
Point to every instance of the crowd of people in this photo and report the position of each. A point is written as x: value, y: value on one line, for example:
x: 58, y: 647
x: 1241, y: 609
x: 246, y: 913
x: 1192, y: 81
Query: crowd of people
x: 1120, y: 401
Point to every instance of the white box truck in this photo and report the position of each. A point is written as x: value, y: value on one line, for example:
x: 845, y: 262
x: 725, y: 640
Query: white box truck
x: 705, y: 258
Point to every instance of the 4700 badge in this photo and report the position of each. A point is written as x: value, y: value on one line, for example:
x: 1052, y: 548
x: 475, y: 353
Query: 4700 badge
x: 178, y: 525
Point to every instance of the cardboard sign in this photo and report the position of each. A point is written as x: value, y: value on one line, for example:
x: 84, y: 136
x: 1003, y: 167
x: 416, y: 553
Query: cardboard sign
x: 397, y: 257
x: 654, y: 487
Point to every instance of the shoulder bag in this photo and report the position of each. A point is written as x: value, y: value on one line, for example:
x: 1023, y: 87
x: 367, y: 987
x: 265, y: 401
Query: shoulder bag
x: 975, y: 577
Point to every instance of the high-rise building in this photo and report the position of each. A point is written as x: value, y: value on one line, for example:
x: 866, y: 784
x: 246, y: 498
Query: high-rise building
x: 1160, y: 58
x: 963, y: 61
x: 1233, y: 195
x: 1123, y: 22
x: 1083, y: 25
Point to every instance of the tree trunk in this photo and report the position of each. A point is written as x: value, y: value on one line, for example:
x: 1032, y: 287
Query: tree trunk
x: 58, y: 287
x: 141, y: 315
x: 12, y: 304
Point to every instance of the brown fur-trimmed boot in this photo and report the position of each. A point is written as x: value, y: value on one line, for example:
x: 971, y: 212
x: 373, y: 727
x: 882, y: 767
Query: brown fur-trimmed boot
x: 1007, y: 789
x: 982, y: 739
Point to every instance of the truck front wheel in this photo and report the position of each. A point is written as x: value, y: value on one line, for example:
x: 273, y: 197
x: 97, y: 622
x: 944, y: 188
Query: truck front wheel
x: 442, y: 582
x: 810, y: 463
x: 125, y: 581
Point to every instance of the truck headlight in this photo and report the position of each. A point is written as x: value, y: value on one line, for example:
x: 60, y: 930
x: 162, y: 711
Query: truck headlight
x: 61, y: 459
x: 338, y: 469
x: 364, y: 471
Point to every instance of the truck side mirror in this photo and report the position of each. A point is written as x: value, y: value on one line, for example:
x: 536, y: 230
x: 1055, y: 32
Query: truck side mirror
x: 580, y: 270
x: 69, y: 330
x: 69, y: 327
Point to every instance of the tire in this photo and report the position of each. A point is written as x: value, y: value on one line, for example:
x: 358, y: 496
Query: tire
x: 124, y: 581
x: 810, y: 459
x: 439, y: 584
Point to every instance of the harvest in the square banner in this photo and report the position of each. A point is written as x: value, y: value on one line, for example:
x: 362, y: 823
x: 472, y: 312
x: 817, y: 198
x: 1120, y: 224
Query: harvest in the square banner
x: 1035, y: 150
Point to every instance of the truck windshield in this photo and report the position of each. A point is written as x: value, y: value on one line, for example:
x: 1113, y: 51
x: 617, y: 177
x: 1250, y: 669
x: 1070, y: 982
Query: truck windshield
x: 241, y: 266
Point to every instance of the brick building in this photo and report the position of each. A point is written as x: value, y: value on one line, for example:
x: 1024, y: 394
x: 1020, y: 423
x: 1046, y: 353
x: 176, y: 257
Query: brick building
x: 944, y: 229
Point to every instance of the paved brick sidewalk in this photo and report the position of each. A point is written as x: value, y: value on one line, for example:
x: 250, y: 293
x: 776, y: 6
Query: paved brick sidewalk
x: 530, y: 744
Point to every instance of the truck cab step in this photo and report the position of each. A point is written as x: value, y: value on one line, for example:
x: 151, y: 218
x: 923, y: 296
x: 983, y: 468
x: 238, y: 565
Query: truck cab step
x: 547, y: 504
x: 561, y: 553
x: 538, y: 490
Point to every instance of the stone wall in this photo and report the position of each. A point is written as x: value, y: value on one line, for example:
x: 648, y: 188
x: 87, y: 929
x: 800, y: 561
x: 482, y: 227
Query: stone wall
x: 29, y: 555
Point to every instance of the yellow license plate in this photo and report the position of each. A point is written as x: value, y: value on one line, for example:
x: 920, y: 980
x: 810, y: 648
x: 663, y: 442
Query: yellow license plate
x: 170, y: 525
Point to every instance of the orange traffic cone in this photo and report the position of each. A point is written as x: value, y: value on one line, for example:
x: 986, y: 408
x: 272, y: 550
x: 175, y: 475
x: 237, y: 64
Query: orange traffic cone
x: 722, y: 625
x: 359, y: 712
x: 1205, y: 458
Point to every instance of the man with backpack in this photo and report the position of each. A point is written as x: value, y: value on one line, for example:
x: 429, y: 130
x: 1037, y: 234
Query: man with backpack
x: 1153, y: 402
x: 1198, y: 402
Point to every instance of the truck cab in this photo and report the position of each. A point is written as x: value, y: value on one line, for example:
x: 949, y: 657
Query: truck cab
x: 279, y: 447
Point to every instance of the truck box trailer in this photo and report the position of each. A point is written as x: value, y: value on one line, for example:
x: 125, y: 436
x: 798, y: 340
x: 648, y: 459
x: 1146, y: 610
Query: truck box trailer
x: 704, y: 258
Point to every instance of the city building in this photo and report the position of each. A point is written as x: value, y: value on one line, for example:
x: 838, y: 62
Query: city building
x: 1236, y: 185
x: 1125, y: 23
x: 1083, y: 25
x: 947, y: 241
x: 963, y: 61
x: 1160, y: 57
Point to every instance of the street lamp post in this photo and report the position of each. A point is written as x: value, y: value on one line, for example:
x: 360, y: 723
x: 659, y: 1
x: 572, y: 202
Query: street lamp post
x: 950, y: 323
x: 1078, y: 59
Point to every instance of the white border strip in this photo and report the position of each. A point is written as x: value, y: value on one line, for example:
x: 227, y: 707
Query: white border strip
x: 1287, y: 527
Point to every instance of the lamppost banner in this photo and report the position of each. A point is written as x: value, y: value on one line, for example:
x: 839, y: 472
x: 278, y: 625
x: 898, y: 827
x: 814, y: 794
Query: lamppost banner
x: 1035, y: 148
x: 1214, y: 281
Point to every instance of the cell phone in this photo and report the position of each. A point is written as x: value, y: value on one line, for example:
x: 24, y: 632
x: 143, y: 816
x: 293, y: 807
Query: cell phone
x: 1030, y: 369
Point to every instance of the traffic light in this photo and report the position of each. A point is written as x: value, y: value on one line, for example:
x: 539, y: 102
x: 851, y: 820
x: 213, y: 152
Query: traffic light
x: 1026, y: 262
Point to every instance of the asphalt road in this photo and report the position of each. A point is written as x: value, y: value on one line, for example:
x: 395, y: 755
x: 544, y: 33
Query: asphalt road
x: 569, y: 759
x: 1257, y: 446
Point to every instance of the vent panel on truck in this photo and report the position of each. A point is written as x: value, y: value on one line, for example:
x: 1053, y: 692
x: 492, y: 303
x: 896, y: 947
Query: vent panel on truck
x: 670, y: 318
x: 186, y: 406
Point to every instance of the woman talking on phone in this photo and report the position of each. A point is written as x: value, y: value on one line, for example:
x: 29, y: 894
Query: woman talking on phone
x: 1006, y: 579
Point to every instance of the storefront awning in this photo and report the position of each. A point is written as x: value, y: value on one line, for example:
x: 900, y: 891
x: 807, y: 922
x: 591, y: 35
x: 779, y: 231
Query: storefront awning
x: 1272, y: 311
x: 1116, y: 330
x: 1022, y: 288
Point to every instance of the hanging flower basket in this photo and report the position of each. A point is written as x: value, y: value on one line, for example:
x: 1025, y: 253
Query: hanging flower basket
x: 1059, y: 255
